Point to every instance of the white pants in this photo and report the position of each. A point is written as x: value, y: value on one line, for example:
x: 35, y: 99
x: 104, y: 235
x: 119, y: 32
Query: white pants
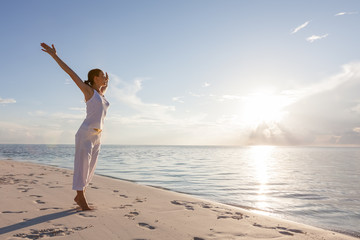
x: 87, y: 148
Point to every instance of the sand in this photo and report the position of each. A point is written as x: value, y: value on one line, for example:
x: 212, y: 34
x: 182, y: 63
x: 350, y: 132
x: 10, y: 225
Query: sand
x: 36, y: 201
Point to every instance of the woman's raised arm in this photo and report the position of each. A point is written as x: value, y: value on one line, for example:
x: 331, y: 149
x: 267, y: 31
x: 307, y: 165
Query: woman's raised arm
x: 86, y: 89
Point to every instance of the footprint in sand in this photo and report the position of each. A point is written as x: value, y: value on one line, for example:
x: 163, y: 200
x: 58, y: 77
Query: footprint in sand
x: 132, y: 215
x: 290, y: 230
x: 50, y: 232
x: 54, y: 208
x: 236, y: 216
x: 86, y: 215
x: 39, y: 202
x: 14, y: 212
x: 58, y: 224
x: 233, y: 217
x: 139, y: 200
x: 24, y: 189
x: 8, y: 179
x: 223, y: 213
x: 286, y: 233
x: 183, y: 203
x: 145, y: 225
x: 284, y: 230
x: 261, y: 226
x: 37, y: 196
x: 122, y: 206
x: 205, y: 205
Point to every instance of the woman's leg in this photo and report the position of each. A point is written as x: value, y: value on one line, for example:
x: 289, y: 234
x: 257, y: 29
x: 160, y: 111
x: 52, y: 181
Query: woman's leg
x: 94, y: 157
x: 80, y: 198
x: 83, y: 150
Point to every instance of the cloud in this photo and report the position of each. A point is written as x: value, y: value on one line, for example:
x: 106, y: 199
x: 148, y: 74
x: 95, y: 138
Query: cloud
x: 80, y: 109
x: 355, y: 109
x: 356, y: 129
x: 67, y: 116
x: 271, y: 134
x: 300, y: 27
x: 323, y: 113
x: 37, y: 113
x: 6, y: 101
x: 140, y: 122
x: 197, y: 95
x: 345, y: 13
x: 230, y: 97
x: 59, y: 115
x: 327, y: 112
x: 350, y: 72
x: 206, y: 84
x: 11, y: 132
x: 127, y: 94
x: 178, y: 99
x: 316, y: 37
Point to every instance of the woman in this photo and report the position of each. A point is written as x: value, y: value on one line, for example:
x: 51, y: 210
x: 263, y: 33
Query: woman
x: 87, y: 139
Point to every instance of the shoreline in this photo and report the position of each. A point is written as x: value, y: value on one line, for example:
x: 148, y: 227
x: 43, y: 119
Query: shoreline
x: 42, y: 201
x: 248, y: 208
x: 244, y: 207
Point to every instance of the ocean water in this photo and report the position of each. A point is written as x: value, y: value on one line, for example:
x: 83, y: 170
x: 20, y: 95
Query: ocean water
x: 311, y: 185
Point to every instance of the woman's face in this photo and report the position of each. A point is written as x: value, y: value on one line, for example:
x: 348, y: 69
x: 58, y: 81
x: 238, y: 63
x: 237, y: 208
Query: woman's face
x: 101, y: 79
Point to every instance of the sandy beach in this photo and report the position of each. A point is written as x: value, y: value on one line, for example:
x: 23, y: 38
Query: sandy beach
x: 37, y: 202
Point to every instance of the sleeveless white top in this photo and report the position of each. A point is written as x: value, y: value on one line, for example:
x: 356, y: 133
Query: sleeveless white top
x: 96, y: 108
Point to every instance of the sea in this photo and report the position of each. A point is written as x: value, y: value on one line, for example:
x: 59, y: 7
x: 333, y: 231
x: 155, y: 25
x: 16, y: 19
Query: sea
x: 318, y: 186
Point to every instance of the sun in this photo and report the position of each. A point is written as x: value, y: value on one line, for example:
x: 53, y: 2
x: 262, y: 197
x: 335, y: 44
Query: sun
x: 264, y: 108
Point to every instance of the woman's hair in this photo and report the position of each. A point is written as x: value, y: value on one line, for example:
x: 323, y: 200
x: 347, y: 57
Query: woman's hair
x: 92, y: 73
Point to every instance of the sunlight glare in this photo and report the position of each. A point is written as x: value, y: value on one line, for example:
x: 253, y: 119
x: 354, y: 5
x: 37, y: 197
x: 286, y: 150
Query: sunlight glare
x: 264, y: 108
x: 261, y: 156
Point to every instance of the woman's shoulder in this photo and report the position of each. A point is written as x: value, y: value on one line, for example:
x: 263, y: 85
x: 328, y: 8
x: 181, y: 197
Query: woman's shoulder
x: 89, y: 93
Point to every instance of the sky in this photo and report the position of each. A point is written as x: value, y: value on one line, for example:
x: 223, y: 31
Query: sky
x: 204, y: 72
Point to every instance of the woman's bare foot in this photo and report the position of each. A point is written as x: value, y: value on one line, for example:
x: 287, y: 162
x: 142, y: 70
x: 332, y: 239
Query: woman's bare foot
x: 81, y: 201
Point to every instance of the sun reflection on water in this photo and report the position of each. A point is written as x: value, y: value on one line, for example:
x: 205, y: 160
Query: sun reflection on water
x: 261, y: 156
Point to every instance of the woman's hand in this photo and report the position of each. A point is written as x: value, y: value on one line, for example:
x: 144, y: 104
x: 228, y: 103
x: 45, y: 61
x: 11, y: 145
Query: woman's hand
x: 106, y: 79
x: 49, y: 50
x: 104, y: 88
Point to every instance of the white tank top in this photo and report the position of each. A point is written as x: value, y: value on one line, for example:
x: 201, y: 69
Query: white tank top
x: 96, y: 108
